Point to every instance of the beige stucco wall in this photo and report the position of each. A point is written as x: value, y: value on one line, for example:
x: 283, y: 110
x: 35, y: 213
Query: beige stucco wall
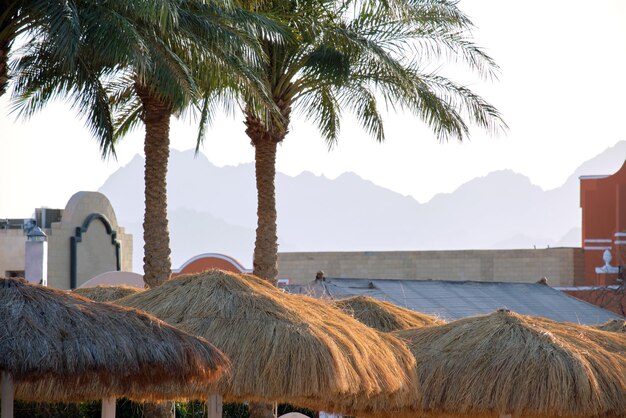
x: 12, y: 250
x: 562, y: 266
x: 126, y: 240
x: 83, y: 204
x: 59, y: 255
x: 95, y: 253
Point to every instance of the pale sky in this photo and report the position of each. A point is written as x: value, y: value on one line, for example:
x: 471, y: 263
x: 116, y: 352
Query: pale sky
x: 561, y: 92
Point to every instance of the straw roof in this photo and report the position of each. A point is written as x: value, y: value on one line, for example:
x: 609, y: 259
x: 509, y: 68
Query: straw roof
x: 107, y: 293
x: 384, y: 316
x: 62, y: 347
x: 614, y: 325
x: 505, y: 363
x: 283, y: 347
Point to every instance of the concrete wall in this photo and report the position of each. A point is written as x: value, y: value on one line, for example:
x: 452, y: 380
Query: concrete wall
x: 562, y: 266
x: 12, y: 250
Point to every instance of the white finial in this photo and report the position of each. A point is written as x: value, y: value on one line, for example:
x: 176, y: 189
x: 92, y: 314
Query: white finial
x: 607, y: 257
x: 607, y: 268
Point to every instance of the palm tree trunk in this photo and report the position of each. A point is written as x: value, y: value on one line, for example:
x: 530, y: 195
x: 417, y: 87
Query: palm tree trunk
x: 265, y: 260
x: 156, y: 117
x: 265, y: 142
x: 4, y: 67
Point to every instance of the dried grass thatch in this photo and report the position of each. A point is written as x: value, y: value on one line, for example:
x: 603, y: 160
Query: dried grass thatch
x: 613, y: 325
x: 384, y: 316
x: 282, y: 347
x: 62, y: 347
x: 107, y: 293
x: 505, y: 363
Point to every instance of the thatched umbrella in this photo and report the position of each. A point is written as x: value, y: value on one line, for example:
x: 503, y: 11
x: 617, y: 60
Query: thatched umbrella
x: 613, y: 325
x: 107, y: 293
x: 384, y: 316
x: 283, y: 347
x: 514, y: 365
x: 60, y: 347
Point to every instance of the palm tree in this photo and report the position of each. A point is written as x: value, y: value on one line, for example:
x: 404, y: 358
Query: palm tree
x: 208, y: 59
x: 146, y: 71
x: 350, y: 55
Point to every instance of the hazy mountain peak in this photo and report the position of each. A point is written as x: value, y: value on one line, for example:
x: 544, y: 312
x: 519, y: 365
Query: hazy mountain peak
x: 189, y: 155
x: 605, y: 163
x: 505, y: 174
x: 500, y: 209
x: 307, y: 175
x: 349, y: 175
x: 500, y: 181
x: 137, y: 159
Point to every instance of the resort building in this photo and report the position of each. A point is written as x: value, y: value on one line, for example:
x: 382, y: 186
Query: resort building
x: 64, y: 248
x: 603, y: 203
x: 446, y: 299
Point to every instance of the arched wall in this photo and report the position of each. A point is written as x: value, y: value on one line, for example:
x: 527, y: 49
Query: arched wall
x: 94, y: 249
x: 207, y: 261
x: 86, y: 242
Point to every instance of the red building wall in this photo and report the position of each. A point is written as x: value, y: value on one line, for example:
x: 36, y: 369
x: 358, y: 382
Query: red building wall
x: 603, y: 203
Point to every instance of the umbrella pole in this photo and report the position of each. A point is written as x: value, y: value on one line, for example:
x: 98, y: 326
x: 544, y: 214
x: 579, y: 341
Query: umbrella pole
x: 7, y: 396
x: 214, y: 405
x: 108, y: 408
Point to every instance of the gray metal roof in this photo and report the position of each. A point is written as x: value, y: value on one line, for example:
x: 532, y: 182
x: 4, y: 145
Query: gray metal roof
x: 452, y: 300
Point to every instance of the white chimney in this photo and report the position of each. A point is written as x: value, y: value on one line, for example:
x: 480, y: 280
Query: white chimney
x: 36, y: 269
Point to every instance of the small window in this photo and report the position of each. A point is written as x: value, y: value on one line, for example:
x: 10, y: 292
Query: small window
x: 14, y: 273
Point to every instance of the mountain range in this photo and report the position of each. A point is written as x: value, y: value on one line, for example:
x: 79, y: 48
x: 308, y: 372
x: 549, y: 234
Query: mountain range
x: 213, y: 209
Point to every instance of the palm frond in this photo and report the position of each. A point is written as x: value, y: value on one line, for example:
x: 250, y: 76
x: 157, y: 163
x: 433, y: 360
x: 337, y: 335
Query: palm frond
x: 127, y: 119
x: 385, y: 47
x: 322, y: 108
x: 363, y: 104
x: 42, y: 80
